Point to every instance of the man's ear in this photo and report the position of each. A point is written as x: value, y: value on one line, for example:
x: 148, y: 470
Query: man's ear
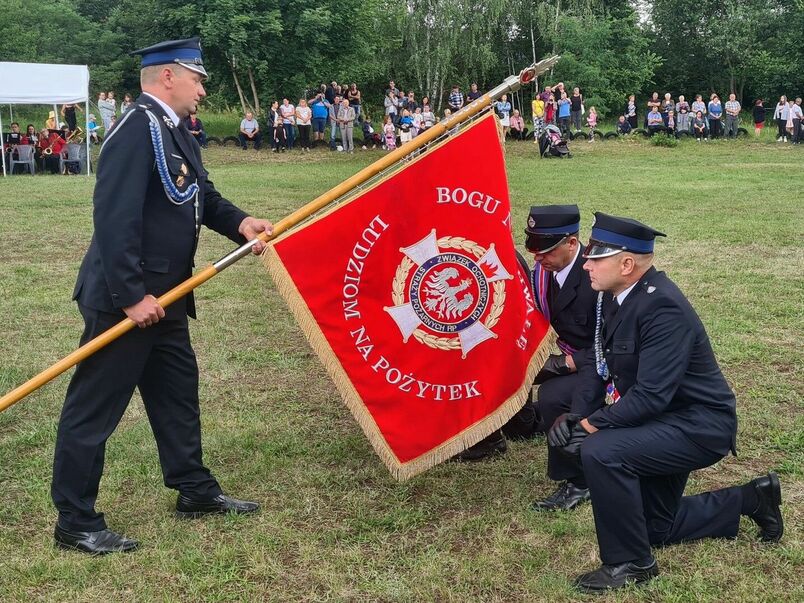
x: 627, y: 264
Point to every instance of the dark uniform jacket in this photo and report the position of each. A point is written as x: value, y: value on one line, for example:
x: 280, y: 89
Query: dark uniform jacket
x: 572, y: 312
x: 144, y: 243
x: 662, y: 364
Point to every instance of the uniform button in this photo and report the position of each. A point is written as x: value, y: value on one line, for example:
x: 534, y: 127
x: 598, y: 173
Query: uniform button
x: 142, y: 263
x: 115, y: 295
x: 608, y: 350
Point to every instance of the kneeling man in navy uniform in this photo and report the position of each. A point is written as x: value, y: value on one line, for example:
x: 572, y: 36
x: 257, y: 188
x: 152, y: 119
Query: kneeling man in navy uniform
x: 668, y: 411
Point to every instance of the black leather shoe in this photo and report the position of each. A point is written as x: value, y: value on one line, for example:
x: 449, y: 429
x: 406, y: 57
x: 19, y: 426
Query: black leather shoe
x: 768, y: 515
x: 189, y: 508
x: 94, y: 543
x: 608, y: 577
x: 493, y: 445
x: 567, y: 497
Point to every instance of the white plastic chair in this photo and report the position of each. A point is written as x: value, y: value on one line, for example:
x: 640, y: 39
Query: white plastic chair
x: 25, y: 156
x: 70, y: 154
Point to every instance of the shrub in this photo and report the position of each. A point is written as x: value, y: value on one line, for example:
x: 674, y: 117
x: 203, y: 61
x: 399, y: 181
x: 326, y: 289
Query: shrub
x: 664, y: 140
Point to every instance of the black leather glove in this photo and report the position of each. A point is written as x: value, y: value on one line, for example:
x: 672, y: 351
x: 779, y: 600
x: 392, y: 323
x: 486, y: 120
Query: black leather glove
x: 559, y: 434
x: 556, y: 364
x: 577, y: 436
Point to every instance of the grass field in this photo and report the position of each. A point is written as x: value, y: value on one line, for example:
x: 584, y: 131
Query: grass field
x: 335, y: 526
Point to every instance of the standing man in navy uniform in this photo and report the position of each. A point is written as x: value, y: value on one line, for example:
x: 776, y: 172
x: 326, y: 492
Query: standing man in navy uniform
x: 668, y: 412
x: 565, y: 297
x: 151, y: 198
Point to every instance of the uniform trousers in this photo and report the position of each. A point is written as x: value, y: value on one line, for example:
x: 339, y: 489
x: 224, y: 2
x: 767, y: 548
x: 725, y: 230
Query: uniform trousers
x: 636, y: 477
x: 554, y: 398
x: 158, y: 360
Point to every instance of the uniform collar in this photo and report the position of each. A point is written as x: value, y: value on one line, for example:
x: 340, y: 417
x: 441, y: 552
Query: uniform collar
x: 561, y: 275
x: 621, y: 297
x: 170, y: 112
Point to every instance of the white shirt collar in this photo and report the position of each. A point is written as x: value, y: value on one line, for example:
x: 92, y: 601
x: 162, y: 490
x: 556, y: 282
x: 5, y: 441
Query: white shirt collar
x: 170, y: 112
x: 561, y: 275
x: 621, y: 297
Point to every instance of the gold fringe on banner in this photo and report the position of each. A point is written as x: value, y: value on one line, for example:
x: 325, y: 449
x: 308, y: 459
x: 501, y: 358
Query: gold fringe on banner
x: 309, y: 326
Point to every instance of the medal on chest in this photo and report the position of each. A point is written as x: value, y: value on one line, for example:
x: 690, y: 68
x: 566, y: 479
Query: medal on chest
x: 612, y: 395
x: 182, y: 175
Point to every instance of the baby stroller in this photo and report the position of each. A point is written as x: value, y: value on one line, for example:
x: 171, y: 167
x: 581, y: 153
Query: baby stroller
x: 551, y: 143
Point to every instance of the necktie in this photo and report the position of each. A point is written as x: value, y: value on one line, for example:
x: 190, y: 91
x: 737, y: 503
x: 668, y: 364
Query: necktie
x: 611, y: 311
x: 552, y: 293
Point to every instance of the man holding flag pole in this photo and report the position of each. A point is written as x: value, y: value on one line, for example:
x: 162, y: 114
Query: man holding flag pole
x: 151, y: 198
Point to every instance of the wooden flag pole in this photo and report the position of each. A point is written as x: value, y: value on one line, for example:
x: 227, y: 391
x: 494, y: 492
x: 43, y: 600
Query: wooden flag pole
x: 511, y: 84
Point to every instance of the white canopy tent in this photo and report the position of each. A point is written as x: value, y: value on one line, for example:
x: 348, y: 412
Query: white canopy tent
x: 44, y: 84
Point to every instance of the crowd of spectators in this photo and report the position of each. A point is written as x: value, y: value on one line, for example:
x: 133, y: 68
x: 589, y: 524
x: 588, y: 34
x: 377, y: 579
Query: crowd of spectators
x: 335, y: 111
x: 703, y: 120
x: 340, y: 110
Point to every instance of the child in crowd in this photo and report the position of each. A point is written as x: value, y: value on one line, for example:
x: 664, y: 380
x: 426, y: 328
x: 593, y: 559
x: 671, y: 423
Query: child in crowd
x: 538, y: 108
x: 369, y: 135
x: 550, y: 110
x: 389, y: 133
x: 428, y: 117
x: 699, y: 126
x: 631, y: 112
x: 280, y: 142
x: 418, y: 121
x: 682, y: 115
x: 789, y: 124
x: 671, y: 121
x: 591, y: 122
x: 564, y: 114
x: 92, y: 129
x: 624, y: 125
x: 759, y: 117
x: 447, y: 115
x: 405, y: 127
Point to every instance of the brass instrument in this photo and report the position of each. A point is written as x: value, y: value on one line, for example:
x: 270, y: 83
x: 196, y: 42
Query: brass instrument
x: 73, y: 137
x: 76, y: 136
x: 49, y: 150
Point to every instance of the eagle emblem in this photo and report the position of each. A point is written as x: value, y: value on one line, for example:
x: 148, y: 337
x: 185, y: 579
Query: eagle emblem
x: 448, y: 293
x: 443, y: 297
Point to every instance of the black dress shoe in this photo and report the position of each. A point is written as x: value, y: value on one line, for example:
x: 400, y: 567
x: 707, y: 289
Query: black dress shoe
x: 189, y: 508
x: 768, y: 515
x: 94, y: 543
x: 608, y: 577
x: 567, y: 497
x: 490, y: 446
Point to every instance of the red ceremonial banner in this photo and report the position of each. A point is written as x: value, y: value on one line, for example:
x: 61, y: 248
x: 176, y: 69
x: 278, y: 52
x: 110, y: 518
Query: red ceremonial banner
x: 412, y: 296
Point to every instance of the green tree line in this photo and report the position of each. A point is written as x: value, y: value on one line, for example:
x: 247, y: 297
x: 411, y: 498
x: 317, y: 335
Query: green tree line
x: 260, y: 50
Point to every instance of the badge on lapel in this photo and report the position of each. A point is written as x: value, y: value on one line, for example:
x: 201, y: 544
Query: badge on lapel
x: 168, y: 122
